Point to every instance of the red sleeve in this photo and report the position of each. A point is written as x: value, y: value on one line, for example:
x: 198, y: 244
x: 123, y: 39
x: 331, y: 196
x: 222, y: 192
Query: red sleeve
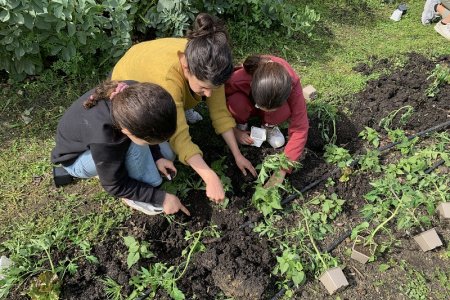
x: 299, y: 124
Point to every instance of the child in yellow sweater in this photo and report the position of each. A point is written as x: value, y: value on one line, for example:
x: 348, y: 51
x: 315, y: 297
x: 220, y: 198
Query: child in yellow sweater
x: 191, y: 70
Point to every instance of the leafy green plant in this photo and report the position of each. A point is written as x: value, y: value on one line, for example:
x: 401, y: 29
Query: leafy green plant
x: 439, y: 76
x: 371, y: 136
x: 136, y: 250
x: 290, y: 265
x: 32, y: 32
x: 340, y: 156
x: 266, y: 199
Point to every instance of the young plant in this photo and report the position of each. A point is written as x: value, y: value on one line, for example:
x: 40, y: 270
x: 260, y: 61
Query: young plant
x: 439, y: 76
x: 326, y: 114
x: 267, y: 200
x: 290, y: 265
x: 322, y: 261
x: 136, y: 250
x: 341, y: 157
x: 158, y: 275
x: 405, y: 113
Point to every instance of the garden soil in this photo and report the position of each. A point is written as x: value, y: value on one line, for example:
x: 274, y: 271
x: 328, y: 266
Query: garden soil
x: 239, y: 264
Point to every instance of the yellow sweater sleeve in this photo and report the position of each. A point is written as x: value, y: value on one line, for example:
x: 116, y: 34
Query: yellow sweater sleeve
x: 181, y: 141
x: 220, y: 116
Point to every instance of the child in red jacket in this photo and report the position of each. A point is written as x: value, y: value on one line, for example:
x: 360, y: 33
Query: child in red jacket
x: 267, y: 87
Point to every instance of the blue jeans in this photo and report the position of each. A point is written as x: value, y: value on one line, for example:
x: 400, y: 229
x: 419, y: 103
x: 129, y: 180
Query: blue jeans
x: 138, y: 161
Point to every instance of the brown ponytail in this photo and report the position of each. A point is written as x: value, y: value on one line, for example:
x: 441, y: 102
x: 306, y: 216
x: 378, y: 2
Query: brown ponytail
x: 208, y: 52
x: 103, y: 91
x: 252, y: 63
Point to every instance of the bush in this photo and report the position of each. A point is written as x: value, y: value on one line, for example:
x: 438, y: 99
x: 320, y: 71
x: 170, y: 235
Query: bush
x: 32, y: 32
x: 36, y: 33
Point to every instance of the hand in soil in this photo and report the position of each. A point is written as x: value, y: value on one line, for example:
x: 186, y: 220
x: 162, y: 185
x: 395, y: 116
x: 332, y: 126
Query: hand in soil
x: 244, y: 165
x: 214, y: 188
x: 172, y: 205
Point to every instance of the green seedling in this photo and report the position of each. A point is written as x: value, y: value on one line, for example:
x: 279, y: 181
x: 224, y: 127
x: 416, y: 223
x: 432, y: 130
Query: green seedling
x: 290, y: 265
x: 439, y: 76
x: 326, y: 113
x: 369, y: 241
x: 405, y: 113
x: 136, y: 250
x: 341, y: 157
x: 157, y: 276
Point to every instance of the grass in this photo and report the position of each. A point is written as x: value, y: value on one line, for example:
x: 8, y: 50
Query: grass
x: 350, y: 32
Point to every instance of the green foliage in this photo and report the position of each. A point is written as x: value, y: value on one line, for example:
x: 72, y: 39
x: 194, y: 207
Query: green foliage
x: 337, y: 155
x: 416, y: 287
x: 289, y: 265
x: 32, y: 256
x: 32, y: 32
x: 46, y: 286
x: 439, y: 76
x: 371, y: 136
x: 268, y: 199
x: 136, y: 250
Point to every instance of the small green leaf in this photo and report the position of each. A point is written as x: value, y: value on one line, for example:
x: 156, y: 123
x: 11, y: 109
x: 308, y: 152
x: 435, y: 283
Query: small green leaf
x: 383, y: 267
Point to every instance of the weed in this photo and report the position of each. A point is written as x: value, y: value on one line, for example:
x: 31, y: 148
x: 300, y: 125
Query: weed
x: 416, y: 287
x: 113, y: 290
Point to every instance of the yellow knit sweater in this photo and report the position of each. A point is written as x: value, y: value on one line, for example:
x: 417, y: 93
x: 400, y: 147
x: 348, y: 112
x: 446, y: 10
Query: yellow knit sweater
x: 157, y: 62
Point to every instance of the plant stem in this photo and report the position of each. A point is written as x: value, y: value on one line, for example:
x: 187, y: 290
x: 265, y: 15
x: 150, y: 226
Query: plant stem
x: 314, y: 243
x: 381, y: 225
x: 194, y: 243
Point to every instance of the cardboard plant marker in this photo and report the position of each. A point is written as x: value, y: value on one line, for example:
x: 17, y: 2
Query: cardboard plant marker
x: 333, y: 279
x: 360, y: 252
x: 428, y: 240
x: 444, y: 210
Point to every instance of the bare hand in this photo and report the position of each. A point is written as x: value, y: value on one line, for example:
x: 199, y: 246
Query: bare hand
x: 166, y: 167
x: 243, y: 137
x: 244, y: 165
x: 172, y: 205
x: 276, y: 178
x: 214, y: 188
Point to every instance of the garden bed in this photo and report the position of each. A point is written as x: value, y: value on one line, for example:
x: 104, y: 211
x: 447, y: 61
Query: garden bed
x: 238, y: 262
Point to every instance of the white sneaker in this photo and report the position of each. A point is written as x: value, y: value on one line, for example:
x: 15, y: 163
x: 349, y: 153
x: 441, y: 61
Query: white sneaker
x: 443, y: 30
x: 274, y: 137
x: 192, y: 116
x: 429, y: 13
x: 146, y: 208
x: 243, y: 127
